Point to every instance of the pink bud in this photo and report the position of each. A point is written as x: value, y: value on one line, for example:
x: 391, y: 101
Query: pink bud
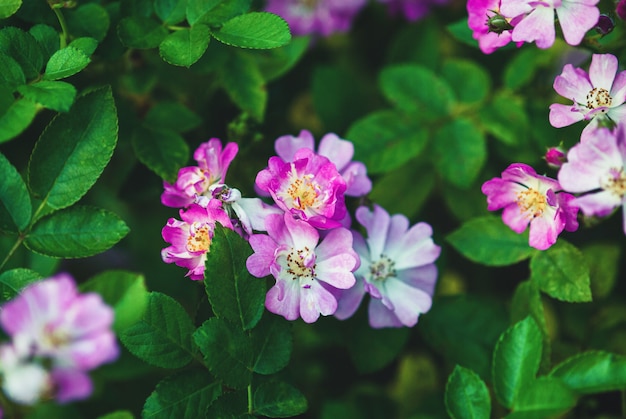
x: 555, y: 156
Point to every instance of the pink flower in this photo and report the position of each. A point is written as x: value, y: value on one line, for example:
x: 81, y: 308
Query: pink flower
x: 309, y: 188
x: 599, y: 96
x: 192, y: 181
x: 335, y: 149
x: 489, y: 38
x: 57, y: 335
x: 302, y: 266
x: 321, y: 17
x: 575, y: 16
x: 529, y: 198
x: 555, y: 157
x: 596, y: 168
x: 397, y: 270
x: 190, y: 238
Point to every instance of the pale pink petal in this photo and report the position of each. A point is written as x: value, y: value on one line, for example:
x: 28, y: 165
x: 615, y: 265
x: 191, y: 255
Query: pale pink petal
x: 564, y: 115
x: 602, y: 70
x: 316, y: 300
x: 380, y: 316
x: 536, y: 27
x: 348, y: 300
x: 576, y: 18
x: 287, y: 145
x: 544, y: 231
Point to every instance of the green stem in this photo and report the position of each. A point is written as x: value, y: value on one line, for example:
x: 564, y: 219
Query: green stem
x: 65, y: 32
x: 17, y: 244
x: 250, y: 405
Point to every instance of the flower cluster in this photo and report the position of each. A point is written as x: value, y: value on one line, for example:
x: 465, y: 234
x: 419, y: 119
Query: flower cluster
x: 57, y: 336
x: 594, y: 168
x: 303, y: 237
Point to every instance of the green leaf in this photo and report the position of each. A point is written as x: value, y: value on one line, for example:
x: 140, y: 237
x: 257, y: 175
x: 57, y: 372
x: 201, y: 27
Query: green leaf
x: 467, y: 395
x: 16, y: 119
x: 461, y: 32
x: 14, y: 280
x: 15, y: 205
x: 48, y: 39
x: 385, y: 140
x: 603, y: 260
x: 118, y: 414
x: 592, y: 372
x: 170, y: 12
x: 74, y: 149
x: 124, y: 291
x: 506, y: 119
x: 76, y: 232
x: 215, y: 12
x: 383, y: 346
x: 231, y: 405
x: 9, y: 7
x: 172, y: 116
x: 278, y: 400
x: 141, y: 32
x: 234, y: 294
x: 85, y: 44
x: 185, y: 395
x: 562, y: 273
x: 11, y: 74
x: 89, y: 19
x: 244, y: 84
x: 415, y: 89
x: 527, y: 302
x: 272, y: 342
x: 256, y: 30
x: 55, y: 95
x: 65, y: 62
x: 275, y: 62
x: 23, y: 48
x: 470, y: 82
x: 227, y: 351
x: 186, y: 46
x: 516, y: 360
x: 521, y: 68
x: 542, y: 398
x: 460, y: 151
x: 163, y: 151
x: 163, y: 335
x: 487, y: 240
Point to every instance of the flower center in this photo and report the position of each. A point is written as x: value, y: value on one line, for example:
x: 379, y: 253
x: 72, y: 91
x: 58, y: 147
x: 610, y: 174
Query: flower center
x: 301, y: 264
x: 382, y: 269
x: 532, y: 202
x: 302, y: 192
x: 199, y: 238
x: 598, y: 98
x: 615, y: 182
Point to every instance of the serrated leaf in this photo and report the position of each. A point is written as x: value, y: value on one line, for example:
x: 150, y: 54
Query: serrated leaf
x: 16, y: 119
x: 516, y: 360
x: 234, y: 294
x: 244, y: 84
x: 141, y: 32
x: 48, y: 39
x: 527, y: 302
x: 56, y: 95
x: 124, y: 291
x: 72, y: 152
x: 592, y: 372
x: 385, y: 140
x: 466, y: 395
x: 186, y: 46
x: 562, y: 272
x: 163, y: 336
x: 256, y: 30
x: 89, y: 20
x: 182, y: 396
x: 23, y: 48
x: 459, y: 152
x: 14, y: 280
x: 489, y: 241
x: 171, y: 12
x: 76, y: 232
x: 272, y: 341
x: 231, y: 405
x: 215, y: 12
x: 173, y: 116
x: 9, y: 7
x: 163, y: 151
x: 11, y: 74
x: 542, y: 398
x: 65, y: 62
x: 15, y: 205
x: 470, y: 82
x: 85, y: 44
x: 278, y: 400
x: 227, y: 351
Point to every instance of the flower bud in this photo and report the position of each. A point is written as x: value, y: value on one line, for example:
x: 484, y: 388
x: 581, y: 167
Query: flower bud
x: 605, y: 25
x: 498, y: 23
x: 620, y: 9
x: 555, y: 157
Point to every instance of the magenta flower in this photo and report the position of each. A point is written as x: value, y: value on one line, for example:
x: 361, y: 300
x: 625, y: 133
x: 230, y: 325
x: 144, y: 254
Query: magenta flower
x: 397, y: 270
x: 190, y: 238
x: 555, y: 157
x: 596, y: 168
x: 576, y: 17
x: 335, y: 149
x: 301, y: 266
x: 599, y: 96
x: 53, y: 327
x: 531, y: 198
x: 489, y: 38
x: 309, y: 188
x: 193, y: 181
x: 412, y: 10
x: 321, y: 17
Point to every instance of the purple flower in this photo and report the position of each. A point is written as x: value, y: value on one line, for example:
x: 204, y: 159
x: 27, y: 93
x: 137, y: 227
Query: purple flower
x: 598, y: 96
x: 309, y: 188
x: 190, y: 238
x: 397, y: 270
x: 576, y: 17
x: 596, y: 167
x: 291, y: 253
x: 531, y: 198
x: 335, y: 149
x: 489, y: 38
x: 192, y: 181
x: 316, y: 17
x: 53, y: 327
x: 412, y: 10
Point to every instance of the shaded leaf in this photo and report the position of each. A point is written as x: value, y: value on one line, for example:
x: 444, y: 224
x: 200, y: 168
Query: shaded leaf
x: 244, y: 84
x: 279, y: 400
x: 8, y: 7
x: 469, y: 81
x: 171, y: 11
x: 89, y: 19
x: 16, y: 119
x: 14, y: 280
x: 215, y: 12
x: 163, y: 151
x: 467, y: 395
x: 55, y: 95
x: 592, y: 372
x: 541, y: 398
x: 173, y: 116
x: 11, y: 74
x: 186, y: 46
x: 15, y: 205
x: 23, y: 48
x: 141, y: 32
x: 272, y: 342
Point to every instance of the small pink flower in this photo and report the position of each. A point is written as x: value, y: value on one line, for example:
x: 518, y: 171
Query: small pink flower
x: 302, y: 265
x: 555, y: 157
x: 529, y: 198
x: 479, y: 12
